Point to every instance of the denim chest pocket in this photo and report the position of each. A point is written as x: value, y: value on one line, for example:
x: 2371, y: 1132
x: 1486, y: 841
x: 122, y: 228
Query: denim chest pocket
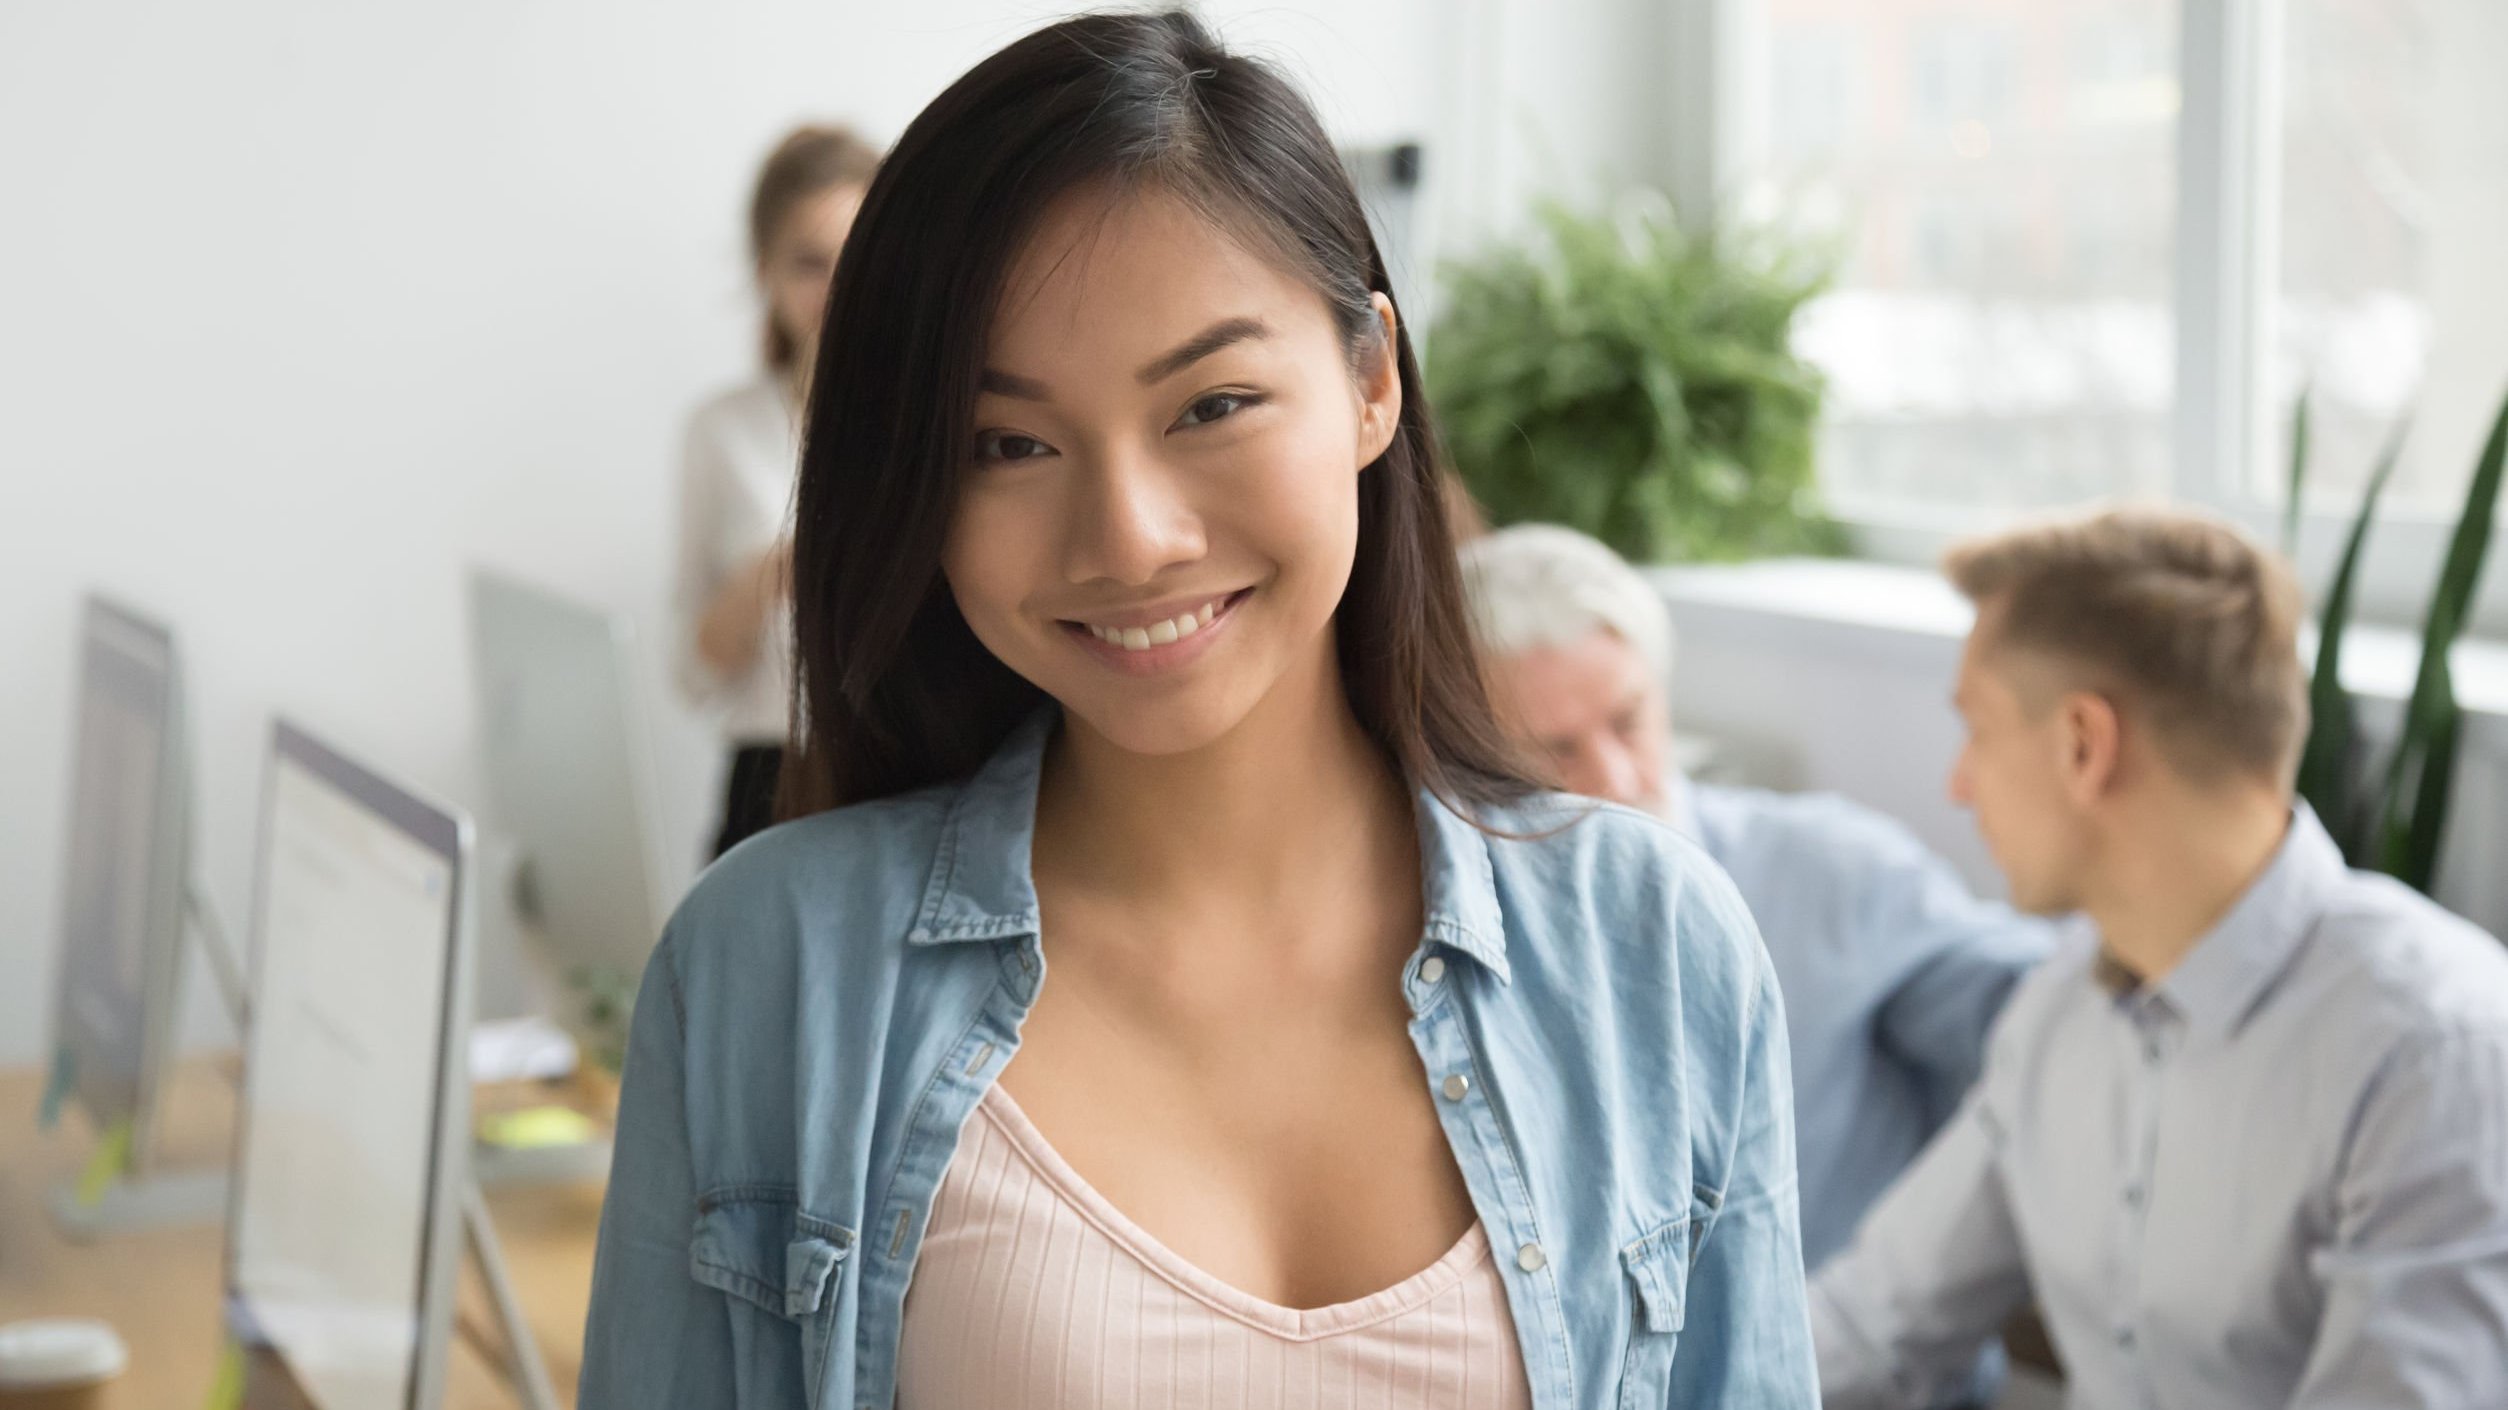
x: 1657, y: 1270
x: 760, y: 1247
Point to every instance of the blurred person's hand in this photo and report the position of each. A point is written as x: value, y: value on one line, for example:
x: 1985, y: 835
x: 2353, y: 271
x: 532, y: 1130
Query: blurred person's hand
x: 736, y: 621
x: 775, y: 567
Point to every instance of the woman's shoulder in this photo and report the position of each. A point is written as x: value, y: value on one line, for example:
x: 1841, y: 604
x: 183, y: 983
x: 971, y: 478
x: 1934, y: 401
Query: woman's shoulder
x: 1622, y: 889
x: 1615, y: 855
x: 1631, y: 951
x: 849, y: 878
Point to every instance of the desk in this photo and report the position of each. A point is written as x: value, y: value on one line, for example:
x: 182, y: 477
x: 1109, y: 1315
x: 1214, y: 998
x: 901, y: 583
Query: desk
x: 161, y: 1290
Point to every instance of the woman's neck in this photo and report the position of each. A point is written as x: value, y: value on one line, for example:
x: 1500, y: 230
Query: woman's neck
x: 1296, y: 793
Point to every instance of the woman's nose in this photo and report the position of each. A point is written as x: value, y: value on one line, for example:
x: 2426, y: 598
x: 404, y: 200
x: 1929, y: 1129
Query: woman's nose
x: 1130, y: 521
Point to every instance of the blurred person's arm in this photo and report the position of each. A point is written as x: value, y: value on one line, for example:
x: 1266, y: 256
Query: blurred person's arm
x: 2416, y: 1273
x: 1973, y: 953
x: 1936, y: 1268
x: 724, y: 608
x: 737, y: 617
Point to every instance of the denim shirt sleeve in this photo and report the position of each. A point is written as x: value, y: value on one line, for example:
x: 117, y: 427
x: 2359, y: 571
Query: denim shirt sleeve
x: 1746, y: 1302
x: 656, y: 1337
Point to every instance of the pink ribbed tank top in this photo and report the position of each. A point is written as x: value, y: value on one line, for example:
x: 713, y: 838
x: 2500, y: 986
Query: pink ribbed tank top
x: 1034, y: 1293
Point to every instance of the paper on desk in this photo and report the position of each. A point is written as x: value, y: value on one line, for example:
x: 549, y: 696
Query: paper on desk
x: 226, y: 1392
x: 538, y: 1128
x: 530, y: 1048
x: 111, y: 1161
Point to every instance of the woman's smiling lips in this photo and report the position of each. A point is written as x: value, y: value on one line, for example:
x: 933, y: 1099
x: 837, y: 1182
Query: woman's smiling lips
x: 1160, y: 638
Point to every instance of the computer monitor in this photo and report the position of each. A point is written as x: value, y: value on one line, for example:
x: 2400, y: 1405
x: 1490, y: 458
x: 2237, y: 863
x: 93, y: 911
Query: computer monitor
x: 120, y: 976
x: 569, y: 773
x: 344, y: 1229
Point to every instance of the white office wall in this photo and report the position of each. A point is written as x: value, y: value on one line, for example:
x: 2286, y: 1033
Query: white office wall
x: 303, y: 307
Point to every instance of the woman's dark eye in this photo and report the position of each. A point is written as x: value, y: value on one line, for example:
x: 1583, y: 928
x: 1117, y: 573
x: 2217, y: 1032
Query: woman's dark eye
x: 1008, y: 446
x: 1216, y: 406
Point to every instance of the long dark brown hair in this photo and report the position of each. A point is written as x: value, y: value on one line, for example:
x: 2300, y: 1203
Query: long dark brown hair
x: 892, y: 691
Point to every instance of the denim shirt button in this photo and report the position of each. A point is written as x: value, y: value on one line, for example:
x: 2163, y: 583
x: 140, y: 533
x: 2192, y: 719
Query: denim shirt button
x: 1431, y: 970
x: 1456, y: 1086
x: 1531, y: 1259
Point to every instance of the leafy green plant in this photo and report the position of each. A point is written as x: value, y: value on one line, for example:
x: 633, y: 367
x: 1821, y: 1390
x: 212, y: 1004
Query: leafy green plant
x: 2423, y: 770
x: 2294, y: 491
x: 2398, y: 828
x: 1619, y: 375
x: 2332, y: 754
x: 605, y: 999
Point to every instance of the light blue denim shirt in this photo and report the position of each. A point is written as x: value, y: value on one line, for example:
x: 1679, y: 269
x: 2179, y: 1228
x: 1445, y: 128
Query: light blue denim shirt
x: 834, y: 997
x: 1893, y: 972
x: 2278, y: 1177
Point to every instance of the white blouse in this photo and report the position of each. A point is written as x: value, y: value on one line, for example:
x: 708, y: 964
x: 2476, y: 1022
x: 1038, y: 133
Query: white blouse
x: 735, y: 500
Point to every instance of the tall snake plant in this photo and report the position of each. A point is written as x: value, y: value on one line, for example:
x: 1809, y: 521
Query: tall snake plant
x: 2396, y: 827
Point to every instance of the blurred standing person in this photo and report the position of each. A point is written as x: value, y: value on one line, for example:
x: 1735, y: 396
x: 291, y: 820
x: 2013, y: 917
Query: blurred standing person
x: 736, y: 477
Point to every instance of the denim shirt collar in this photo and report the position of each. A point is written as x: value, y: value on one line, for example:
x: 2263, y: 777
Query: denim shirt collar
x: 2219, y: 982
x: 982, y: 886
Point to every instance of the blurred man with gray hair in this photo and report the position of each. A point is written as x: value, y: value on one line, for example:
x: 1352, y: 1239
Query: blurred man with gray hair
x: 1891, y: 969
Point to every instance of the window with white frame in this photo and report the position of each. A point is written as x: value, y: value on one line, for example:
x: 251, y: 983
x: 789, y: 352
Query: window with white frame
x: 1999, y: 337
x: 2392, y: 220
x: 2007, y: 332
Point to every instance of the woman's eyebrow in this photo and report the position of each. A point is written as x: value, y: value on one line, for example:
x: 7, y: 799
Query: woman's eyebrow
x: 1225, y: 333
x: 1010, y: 384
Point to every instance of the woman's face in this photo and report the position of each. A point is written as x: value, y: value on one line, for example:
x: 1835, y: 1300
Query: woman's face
x: 1163, y: 509
x: 801, y: 261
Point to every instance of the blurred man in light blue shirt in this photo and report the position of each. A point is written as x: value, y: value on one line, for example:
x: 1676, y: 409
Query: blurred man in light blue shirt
x: 2246, y: 1139
x: 1891, y: 970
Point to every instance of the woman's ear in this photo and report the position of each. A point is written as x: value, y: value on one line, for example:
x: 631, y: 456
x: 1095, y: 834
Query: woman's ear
x: 1379, y: 386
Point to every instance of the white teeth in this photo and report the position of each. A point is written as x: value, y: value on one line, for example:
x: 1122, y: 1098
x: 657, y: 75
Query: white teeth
x: 1174, y: 629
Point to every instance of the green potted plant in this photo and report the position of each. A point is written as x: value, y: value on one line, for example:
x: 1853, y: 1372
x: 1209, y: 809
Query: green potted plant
x: 2396, y: 825
x: 604, y: 1000
x: 1619, y: 375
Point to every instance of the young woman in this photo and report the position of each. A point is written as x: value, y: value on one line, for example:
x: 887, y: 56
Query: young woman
x: 1134, y: 659
x: 736, y: 478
